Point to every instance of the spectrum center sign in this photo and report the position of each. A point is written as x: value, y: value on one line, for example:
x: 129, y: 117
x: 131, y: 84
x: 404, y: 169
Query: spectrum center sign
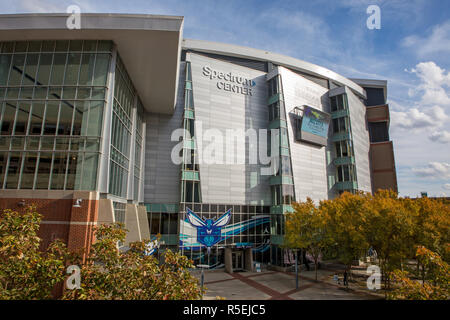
x: 228, y: 81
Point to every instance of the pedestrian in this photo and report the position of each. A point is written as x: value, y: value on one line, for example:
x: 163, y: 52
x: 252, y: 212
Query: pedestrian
x: 336, y: 278
x: 345, y: 278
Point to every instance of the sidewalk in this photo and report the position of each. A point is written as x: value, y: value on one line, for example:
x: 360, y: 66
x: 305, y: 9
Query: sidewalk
x: 273, y: 285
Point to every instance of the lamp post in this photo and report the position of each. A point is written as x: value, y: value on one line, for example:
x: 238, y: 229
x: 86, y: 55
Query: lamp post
x: 296, y: 269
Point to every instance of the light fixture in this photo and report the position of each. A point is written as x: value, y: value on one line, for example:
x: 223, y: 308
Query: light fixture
x: 77, y: 203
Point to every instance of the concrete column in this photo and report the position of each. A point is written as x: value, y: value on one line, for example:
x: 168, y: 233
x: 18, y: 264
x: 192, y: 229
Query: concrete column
x: 248, y: 264
x: 228, y: 260
x: 143, y: 223
x: 132, y: 224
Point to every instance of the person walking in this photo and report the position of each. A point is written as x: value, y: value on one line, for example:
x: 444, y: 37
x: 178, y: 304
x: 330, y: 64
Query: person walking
x: 345, y: 278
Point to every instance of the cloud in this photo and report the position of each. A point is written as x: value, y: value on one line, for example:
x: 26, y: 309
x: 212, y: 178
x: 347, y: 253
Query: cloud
x: 440, y: 136
x: 446, y: 186
x: 434, y: 170
x: 415, y: 119
x: 437, y: 42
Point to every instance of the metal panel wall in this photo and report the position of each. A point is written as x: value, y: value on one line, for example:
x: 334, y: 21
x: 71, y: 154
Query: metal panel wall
x: 361, y: 141
x: 309, y: 162
x: 221, y: 110
x: 162, y: 176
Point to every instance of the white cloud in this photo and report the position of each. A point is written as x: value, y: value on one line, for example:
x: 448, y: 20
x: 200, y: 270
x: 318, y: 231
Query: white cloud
x: 434, y: 170
x: 440, y: 136
x: 446, y: 186
x: 415, y: 119
x: 437, y: 42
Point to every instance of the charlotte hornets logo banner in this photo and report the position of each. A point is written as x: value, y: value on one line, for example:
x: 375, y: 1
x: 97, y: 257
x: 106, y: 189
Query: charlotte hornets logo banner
x: 209, y: 232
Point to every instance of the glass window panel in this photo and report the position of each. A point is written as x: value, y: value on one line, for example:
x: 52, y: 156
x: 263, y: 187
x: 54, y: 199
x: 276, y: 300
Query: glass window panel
x: 101, y: 69
x: 165, y: 223
x: 29, y: 168
x: 65, y: 117
x: 71, y: 172
x: 45, y: 63
x: 89, y: 45
x: 15, y: 162
x: 72, y: 69
x: 51, y: 117
x: 77, y: 144
x: 26, y: 93
x: 62, y: 45
x: 155, y: 223
x: 37, y: 115
x: 12, y: 93
x: 90, y: 171
x: 21, y: 46
x: 3, y: 163
x: 48, y: 46
x: 95, y: 118
x: 47, y: 143
x: 87, y: 69
x: 59, y: 62
x: 17, y: 143
x: 30, y: 69
x: 104, y: 45
x: 9, y: 114
x: 92, y: 145
x: 15, y: 76
x: 5, y: 61
x: 69, y: 92
x: 173, y: 229
x: 34, y: 46
x: 98, y: 94
x: 62, y: 143
x: 4, y: 143
x: 23, y: 113
x: 83, y: 93
x: 59, y: 170
x: 33, y: 143
x: 75, y: 45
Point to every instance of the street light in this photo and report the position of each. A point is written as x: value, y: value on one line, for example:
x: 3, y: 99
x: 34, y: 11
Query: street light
x: 296, y: 268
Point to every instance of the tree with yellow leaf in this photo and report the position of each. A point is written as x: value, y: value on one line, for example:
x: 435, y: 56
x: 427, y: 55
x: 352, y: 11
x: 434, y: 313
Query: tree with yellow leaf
x: 306, y: 228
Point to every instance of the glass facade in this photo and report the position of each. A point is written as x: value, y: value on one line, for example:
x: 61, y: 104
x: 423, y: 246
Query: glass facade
x: 249, y: 227
x: 345, y: 178
x: 52, y: 100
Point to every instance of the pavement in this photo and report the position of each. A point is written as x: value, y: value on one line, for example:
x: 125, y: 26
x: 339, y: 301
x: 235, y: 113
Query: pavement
x: 275, y: 285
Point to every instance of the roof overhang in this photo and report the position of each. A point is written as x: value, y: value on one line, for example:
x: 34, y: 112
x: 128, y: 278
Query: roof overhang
x: 278, y: 59
x: 149, y: 45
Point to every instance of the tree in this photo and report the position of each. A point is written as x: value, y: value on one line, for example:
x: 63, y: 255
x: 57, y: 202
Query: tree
x: 25, y: 271
x: 437, y: 287
x: 111, y: 274
x: 306, y: 229
x: 388, y: 229
x: 346, y: 226
x: 106, y: 273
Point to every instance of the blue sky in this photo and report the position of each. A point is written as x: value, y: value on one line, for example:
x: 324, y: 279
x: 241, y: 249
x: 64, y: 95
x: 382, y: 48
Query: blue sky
x: 411, y: 51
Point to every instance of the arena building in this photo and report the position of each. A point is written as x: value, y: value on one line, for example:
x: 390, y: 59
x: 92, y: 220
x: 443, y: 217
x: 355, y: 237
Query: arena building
x: 123, y: 120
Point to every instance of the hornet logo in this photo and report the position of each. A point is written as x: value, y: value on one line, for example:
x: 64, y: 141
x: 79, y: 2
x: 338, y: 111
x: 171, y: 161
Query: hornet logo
x: 209, y: 232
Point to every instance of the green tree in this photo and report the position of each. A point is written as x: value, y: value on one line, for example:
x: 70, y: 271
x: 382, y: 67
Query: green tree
x: 306, y: 228
x: 346, y: 224
x: 25, y: 271
x: 111, y: 274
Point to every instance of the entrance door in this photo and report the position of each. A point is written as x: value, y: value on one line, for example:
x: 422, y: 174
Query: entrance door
x: 238, y: 261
